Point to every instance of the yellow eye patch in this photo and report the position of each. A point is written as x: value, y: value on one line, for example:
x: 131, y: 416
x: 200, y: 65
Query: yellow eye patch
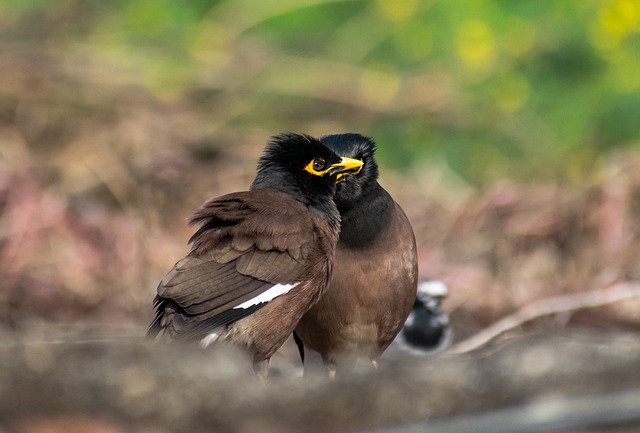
x: 353, y: 166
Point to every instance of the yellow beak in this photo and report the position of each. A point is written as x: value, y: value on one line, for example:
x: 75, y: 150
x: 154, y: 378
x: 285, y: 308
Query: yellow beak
x: 345, y: 166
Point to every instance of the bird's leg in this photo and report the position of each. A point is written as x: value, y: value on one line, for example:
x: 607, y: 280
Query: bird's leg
x: 261, y: 369
x: 330, y: 365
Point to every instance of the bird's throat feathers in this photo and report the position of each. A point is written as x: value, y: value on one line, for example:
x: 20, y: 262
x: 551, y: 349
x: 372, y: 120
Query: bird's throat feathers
x: 358, y: 228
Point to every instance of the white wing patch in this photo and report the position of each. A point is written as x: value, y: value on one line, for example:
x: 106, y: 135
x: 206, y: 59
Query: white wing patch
x: 268, y: 295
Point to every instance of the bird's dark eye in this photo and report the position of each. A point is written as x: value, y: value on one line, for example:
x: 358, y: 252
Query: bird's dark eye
x: 319, y: 164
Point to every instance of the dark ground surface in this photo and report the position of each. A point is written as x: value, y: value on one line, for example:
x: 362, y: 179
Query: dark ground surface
x: 565, y: 383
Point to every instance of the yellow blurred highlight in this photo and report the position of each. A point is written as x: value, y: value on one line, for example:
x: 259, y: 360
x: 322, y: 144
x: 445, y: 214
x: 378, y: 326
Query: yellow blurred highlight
x: 601, y: 39
x: 511, y: 92
x: 620, y: 17
x: 616, y: 20
x: 377, y: 87
x: 396, y: 11
x: 476, y: 46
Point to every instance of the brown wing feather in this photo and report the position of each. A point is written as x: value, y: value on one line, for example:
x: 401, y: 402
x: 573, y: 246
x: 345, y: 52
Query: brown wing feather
x: 201, y: 286
x: 246, y: 242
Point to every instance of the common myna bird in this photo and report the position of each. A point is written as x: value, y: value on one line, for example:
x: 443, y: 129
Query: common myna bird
x: 375, y: 275
x: 260, y: 258
x: 427, y: 329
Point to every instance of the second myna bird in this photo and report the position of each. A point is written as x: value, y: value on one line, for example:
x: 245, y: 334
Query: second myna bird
x: 375, y: 275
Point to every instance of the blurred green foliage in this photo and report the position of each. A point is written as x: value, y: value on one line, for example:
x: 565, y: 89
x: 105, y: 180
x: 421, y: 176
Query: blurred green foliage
x: 489, y: 88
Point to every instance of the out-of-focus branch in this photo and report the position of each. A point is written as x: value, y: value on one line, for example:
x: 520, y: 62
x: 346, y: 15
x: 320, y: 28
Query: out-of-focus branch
x: 544, y: 307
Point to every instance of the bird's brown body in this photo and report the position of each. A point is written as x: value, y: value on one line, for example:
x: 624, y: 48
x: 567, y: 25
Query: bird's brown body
x: 375, y: 275
x: 359, y: 320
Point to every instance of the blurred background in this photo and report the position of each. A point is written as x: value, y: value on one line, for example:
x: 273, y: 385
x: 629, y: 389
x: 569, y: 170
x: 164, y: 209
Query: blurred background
x: 508, y: 130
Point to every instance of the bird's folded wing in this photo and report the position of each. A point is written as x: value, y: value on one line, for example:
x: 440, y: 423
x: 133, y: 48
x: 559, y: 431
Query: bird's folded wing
x: 205, y: 287
x: 245, y: 246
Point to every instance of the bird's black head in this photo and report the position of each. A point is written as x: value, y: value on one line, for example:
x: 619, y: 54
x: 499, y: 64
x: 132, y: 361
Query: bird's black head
x: 352, y: 185
x: 302, y: 166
